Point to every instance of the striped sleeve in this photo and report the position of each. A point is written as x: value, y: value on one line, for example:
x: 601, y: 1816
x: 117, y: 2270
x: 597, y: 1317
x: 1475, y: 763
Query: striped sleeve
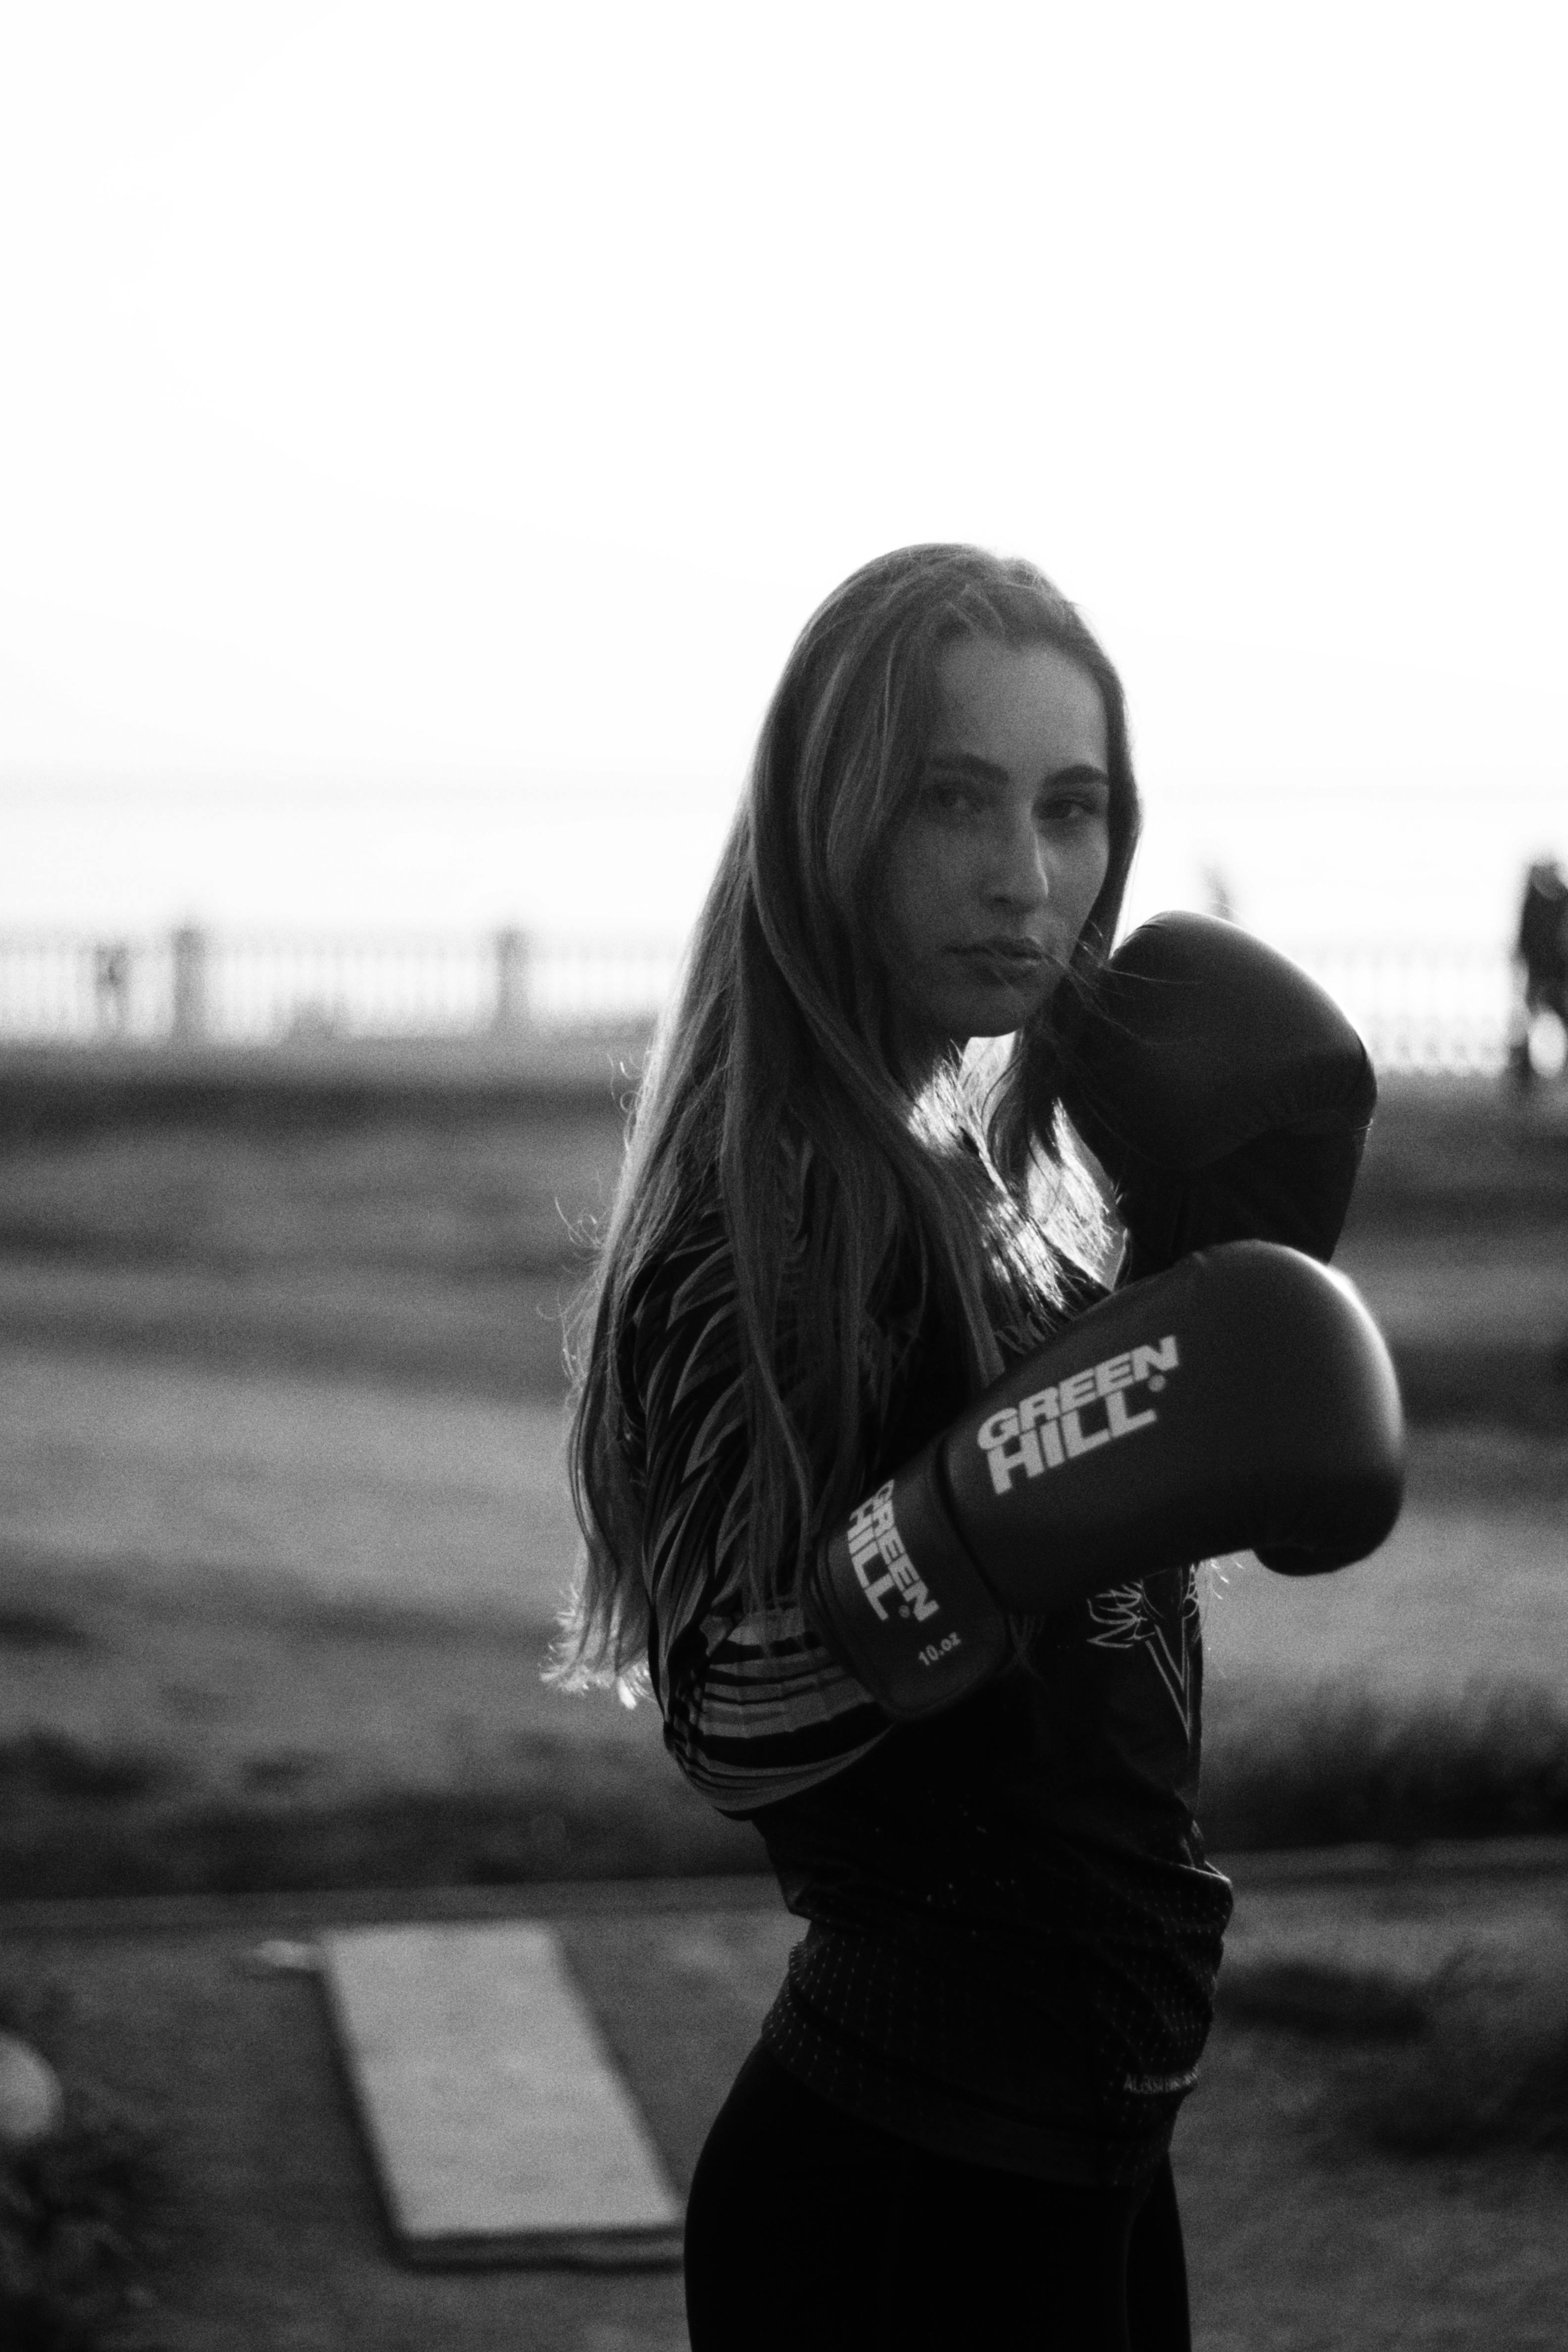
x: 756, y: 1707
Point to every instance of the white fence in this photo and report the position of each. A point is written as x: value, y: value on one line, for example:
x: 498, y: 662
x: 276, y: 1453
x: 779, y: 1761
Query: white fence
x: 196, y: 985
x: 1423, y: 1007
x: 1437, y: 1008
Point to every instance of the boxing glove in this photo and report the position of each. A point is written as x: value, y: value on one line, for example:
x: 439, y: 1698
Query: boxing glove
x: 1245, y: 1400
x: 1223, y: 1093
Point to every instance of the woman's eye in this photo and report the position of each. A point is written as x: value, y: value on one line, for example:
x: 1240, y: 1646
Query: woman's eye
x: 1070, y: 808
x: 951, y: 800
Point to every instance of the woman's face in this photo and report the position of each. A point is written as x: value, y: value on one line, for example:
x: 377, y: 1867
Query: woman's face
x: 993, y: 873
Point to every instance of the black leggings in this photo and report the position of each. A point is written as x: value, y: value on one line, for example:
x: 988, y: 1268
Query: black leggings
x: 808, y: 2229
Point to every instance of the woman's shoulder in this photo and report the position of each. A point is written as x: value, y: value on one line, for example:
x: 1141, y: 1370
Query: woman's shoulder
x: 698, y: 1234
x: 694, y: 1257
x: 679, y: 1325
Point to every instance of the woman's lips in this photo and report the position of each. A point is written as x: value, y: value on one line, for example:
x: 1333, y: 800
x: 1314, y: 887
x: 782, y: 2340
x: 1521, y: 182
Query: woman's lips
x: 1009, y: 961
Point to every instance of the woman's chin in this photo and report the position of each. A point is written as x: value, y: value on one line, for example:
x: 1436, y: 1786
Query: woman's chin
x: 997, y: 1010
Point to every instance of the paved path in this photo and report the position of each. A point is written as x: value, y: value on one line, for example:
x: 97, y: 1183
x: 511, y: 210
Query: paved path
x: 179, y: 1471
x: 182, y: 2013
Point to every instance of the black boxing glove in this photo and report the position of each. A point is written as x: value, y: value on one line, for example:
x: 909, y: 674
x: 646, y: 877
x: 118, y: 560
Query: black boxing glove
x: 1244, y: 1401
x: 1223, y: 1093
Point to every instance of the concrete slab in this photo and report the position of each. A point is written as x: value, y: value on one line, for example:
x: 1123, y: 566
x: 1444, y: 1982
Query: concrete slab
x: 498, y: 2125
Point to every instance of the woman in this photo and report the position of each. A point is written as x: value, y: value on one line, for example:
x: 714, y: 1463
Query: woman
x: 834, y: 1230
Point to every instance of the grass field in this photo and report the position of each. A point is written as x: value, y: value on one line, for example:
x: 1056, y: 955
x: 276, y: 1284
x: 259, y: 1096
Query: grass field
x: 268, y: 1629
x: 431, y: 1242
x: 285, y: 1523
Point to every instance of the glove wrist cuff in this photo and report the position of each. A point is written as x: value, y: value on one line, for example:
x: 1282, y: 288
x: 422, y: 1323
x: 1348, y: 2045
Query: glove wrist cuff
x: 902, y: 1603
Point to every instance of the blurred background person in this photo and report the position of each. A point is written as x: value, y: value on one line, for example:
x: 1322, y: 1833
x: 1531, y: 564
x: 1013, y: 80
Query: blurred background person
x: 1540, y: 955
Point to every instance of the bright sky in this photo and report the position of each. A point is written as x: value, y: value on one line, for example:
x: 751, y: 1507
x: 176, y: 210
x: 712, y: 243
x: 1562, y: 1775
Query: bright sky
x: 424, y: 428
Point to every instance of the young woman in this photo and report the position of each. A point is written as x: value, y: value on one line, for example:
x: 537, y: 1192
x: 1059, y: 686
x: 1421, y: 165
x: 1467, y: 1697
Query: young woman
x: 835, y: 1227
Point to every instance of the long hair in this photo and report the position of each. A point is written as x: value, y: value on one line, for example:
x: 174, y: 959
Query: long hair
x: 773, y: 1091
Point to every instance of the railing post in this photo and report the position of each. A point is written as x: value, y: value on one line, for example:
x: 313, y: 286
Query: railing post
x: 189, y: 1023
x: 512, y: 958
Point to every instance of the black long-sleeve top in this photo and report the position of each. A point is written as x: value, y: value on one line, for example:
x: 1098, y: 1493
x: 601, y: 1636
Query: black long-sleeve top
x: 1013, y: 1935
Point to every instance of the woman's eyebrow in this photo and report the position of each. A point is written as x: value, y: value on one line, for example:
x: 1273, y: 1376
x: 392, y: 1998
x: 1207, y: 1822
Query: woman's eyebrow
x: 986, y: 771
x: 1083, y: 772
x: 970, y: 763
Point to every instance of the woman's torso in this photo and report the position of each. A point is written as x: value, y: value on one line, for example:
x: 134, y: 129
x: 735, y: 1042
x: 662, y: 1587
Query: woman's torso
x: 1013, y: 1933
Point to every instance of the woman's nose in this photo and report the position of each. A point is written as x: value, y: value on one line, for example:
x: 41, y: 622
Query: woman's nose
x: 1019, y: 874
